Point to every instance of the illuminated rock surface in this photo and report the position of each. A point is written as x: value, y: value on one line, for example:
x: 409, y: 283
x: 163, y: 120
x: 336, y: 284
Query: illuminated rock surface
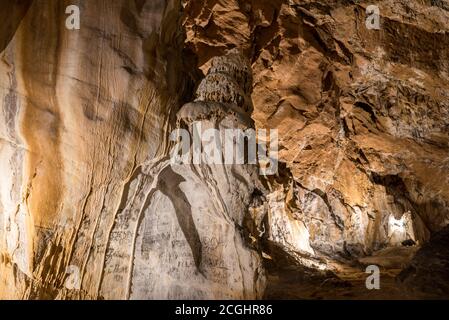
x: 90, y: 206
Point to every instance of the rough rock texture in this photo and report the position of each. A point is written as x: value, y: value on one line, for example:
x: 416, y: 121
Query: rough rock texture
x: 210, y: 258
x: 362, y: 114
x: 428, y: 271
x: 229, y: 80
x: 90, y: 205
x: 81, y: 110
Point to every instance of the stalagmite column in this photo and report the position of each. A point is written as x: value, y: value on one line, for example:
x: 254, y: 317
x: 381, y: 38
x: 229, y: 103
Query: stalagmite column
x: 191, y: 241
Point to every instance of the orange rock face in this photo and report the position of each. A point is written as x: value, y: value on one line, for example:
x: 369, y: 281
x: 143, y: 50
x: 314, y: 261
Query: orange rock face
x: 362, y: 118
x: 360, y: 112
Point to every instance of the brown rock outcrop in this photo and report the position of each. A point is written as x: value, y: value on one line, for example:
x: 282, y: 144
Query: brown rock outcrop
x: 82, y: 110
x: 91, y: 206
x: 361, y: 113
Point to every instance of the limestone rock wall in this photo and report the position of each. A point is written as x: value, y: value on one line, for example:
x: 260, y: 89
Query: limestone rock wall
x: 362, y: 114
x: 78, y: 108
x: 88, y: 207
x: 91, y: 206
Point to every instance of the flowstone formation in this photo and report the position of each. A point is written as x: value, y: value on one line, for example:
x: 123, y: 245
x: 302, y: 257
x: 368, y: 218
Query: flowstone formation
x: 197, y: 220
x: 83, y: 112
x: 225, y: 91
x: 93, y: 207
x: 229, y: 80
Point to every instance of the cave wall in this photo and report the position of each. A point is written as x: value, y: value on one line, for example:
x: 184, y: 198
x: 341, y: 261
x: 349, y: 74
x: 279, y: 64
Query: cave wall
x: 78, y: 107
x: 362, y: 114
x: 85, y: 209
x: 85, y: 125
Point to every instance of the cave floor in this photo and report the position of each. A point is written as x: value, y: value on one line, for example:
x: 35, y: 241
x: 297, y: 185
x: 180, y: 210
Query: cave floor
x: 349, y: 284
